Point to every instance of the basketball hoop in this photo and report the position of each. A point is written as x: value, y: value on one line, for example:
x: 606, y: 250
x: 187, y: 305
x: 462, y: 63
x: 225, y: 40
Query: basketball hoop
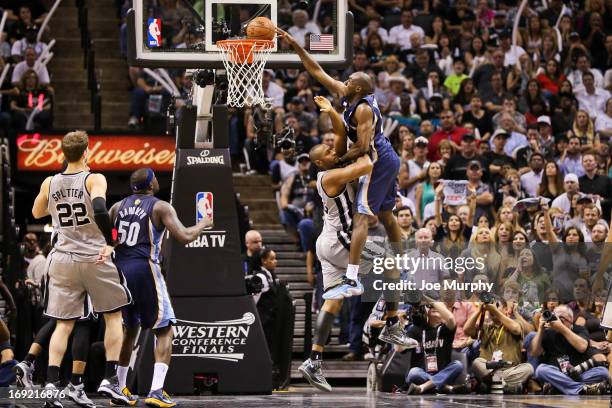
x: 244, y: 61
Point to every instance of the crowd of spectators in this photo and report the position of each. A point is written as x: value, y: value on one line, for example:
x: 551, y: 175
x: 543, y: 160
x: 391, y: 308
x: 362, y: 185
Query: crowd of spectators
x: 26, y: 94
x: 527, y: 124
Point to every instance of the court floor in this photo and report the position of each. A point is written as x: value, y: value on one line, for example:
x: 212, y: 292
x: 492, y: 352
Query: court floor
x: 358, y: 397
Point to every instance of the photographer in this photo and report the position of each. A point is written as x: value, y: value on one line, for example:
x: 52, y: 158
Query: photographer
x: 431, y: 363
x: 296, y: 198
x: 561, y: 345
x: 500, y: 342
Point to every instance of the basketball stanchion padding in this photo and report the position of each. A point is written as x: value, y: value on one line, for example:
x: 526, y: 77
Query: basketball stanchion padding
x: 244, y: 61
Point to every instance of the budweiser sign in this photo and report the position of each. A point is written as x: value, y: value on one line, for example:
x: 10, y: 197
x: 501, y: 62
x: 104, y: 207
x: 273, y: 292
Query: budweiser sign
x: 106, y: 152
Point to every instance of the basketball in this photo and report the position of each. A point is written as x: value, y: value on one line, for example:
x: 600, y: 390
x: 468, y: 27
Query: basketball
x: 261, y: 28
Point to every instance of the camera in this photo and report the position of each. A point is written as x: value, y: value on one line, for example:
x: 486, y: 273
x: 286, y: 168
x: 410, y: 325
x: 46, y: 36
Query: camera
x: 285, y: 138
x: 486, y: 298
x: 548, y: 316
x: 254, y: 284
x: 494, y: 365
x: 418, y: 311
x: 263, y: 122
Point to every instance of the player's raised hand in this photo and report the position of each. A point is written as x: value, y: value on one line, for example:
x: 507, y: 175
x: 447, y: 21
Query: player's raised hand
x: 104, y: 254
x: 286, y: 36
x: 323, y: 103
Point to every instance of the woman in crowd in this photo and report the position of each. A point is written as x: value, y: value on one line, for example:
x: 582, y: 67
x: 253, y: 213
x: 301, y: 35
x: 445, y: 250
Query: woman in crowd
x: 376, y: 51
x: 520, y: 74
x: 32, y: 107
x: 461, y: 101
x: 569, y: 257
x: 482, y: 247
x: 407, y: 143
x: 479, y: 117
x: 533, y: 104
x: 454, y: 235
x: 391, y: 68
x: 533, y: 35
x: 476, y: 55
x: 550, y: 50
x: 539, y: 242
x: 425, y: 191
x: 550, y: 80
x: 503, y: 238
x: 531, y: 278
x: 438, y: 28
x: 446, y: 150
x: 551, y: 185
x: 584, y: 129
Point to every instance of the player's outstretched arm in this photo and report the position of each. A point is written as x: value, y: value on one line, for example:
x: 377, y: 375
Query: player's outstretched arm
x: 41, y: 203
x: 167, y: 214
x: 337, y: 124
x: 313, y: 67
x: 334, y: 180
x: 365, y: 131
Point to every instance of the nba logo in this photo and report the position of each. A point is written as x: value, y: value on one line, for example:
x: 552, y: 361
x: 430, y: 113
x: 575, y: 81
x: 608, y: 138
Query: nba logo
x: 154, y: 32
x: 204, y: 205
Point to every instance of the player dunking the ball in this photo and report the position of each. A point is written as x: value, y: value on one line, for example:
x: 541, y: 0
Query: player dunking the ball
x: 141, y: 220
x: 333, y: 244
x: 377, y: 190
x: 80, y: 263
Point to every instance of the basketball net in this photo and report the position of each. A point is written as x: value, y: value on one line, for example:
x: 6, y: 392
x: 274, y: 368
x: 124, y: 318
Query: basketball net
x: 244, y: 61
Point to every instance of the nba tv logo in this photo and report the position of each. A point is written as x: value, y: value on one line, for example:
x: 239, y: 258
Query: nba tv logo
x: 204, y: 206
x: 154, y: 32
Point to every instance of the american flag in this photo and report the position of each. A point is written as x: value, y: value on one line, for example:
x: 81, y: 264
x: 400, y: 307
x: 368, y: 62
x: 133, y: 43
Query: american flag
x: 321, y: 42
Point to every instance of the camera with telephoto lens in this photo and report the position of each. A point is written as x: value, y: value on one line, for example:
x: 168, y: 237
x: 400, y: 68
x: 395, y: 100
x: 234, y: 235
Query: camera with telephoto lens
x: 263, y: 118
x: 548, y: 316
x: 486, y: 298
x: 494, y: 365
x: 285, y: 138
x: 418, y: 311
x: 254, y: 284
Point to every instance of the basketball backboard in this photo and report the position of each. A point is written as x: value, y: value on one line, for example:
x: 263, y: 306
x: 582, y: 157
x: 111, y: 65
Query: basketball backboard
x: 183, y: 33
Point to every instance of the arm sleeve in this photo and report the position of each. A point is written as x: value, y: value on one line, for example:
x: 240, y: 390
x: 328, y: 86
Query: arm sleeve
x: 102, y: 219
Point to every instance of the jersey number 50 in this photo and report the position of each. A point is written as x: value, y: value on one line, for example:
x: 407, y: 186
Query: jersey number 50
x: 128, y: 233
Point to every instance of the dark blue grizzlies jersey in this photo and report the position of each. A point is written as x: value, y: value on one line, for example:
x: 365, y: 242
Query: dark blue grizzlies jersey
x: 379, y: 144
x: 138, y: 237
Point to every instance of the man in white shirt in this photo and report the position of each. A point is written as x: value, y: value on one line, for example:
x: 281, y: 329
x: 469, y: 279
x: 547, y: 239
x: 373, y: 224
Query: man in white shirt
x: 603, y: 123
x: 564, y: 201
x: 272, y: 89
x: 301, y: 26
x: 516, y: 139
x: 375, y: 27
x: 28, y: 63
x: 511, y: 52
x: 590, y: 98
x: 400, y: 34
x: 583, y: 65
x: 532, y: 179
x: 29, y: 40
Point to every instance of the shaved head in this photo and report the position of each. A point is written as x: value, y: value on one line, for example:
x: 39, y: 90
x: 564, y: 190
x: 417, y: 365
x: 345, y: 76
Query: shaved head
x: 364, y: 81
x: 317, y: 152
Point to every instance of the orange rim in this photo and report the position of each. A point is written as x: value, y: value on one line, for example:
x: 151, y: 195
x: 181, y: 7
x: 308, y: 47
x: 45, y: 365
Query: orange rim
x: 241, y: 51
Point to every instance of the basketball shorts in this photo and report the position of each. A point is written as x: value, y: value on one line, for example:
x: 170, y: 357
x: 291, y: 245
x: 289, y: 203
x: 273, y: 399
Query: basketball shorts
x: 378, y: 190
x: 70, y: 278
x: 151, y: 308
x: 334, y: 257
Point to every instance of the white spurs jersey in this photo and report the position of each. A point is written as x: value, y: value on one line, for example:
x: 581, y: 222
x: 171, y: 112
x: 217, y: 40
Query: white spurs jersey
x: 338, y: 211
x: 73, y: 216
